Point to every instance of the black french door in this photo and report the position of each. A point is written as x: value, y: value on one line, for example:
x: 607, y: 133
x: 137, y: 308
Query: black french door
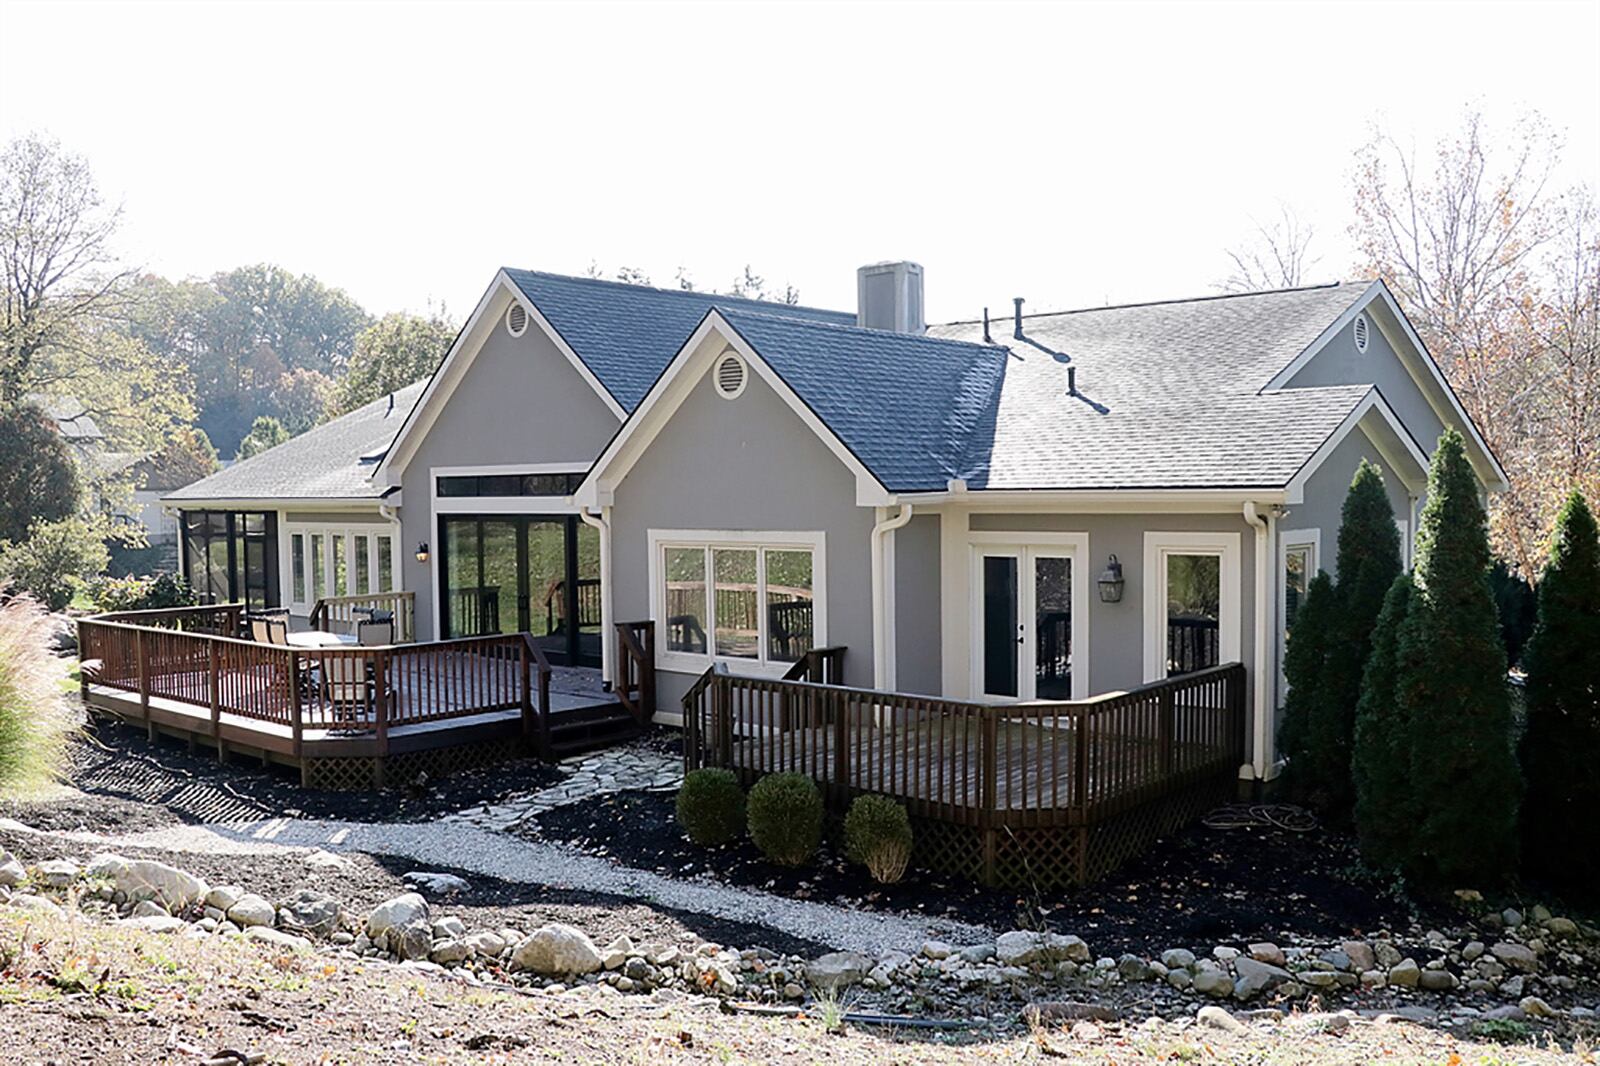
x: 537, y: 574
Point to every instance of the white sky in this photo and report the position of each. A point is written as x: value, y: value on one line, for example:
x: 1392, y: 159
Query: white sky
x: 1074, y: 154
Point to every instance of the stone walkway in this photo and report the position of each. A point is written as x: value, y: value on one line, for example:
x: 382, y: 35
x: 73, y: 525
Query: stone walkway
x: 633, y: 766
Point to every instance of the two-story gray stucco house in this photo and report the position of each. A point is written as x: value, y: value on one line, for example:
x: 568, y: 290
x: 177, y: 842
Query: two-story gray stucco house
x: 1046, y: 506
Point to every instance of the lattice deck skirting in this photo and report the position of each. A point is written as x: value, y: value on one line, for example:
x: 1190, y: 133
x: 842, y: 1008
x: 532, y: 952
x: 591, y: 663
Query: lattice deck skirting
x: 364, y: 773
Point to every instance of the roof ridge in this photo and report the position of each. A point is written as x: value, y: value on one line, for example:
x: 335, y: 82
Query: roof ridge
x: 843, y: 327
x: 672, y: 292
x: 1212, y: 297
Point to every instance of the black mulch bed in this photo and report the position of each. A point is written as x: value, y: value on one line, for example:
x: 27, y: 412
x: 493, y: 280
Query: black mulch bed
x: 129, y: 783
x: 1196, y: 888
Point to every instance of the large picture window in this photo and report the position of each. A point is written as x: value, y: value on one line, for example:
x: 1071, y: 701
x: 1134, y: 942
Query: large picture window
x: 330, y: 560
x: 751, y: 598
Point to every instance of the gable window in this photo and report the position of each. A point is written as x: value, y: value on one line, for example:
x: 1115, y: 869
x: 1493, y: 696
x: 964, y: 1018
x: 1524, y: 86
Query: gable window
x: 508, y: 484
x: 754, y: 600
x: 1192, y: 602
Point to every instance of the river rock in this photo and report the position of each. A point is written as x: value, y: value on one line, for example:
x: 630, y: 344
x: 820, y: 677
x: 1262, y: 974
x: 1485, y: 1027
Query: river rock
x: 57, y: 873
x: 1561, y: 927
x: 557, y: 949
x: 1388, y: 955
x: 1517, y: 956
x: 148, y: 908
x: 1177, y: 958
x: 146, y: 879
x: 1534, y: 1007
x: 396, y: 912
x: 277, y: 938
x: 1213, y: 983
x: 1404, y: 974
x: 11, y: 872
x: 1025, y: 948
x: 454, y: 949
x: 314, y: 912
x: 251, y: 910
x: 1436, y: 980
x: 156, y: 923
x: 1255, y: 977
x: 1271, y: 954
x: 30, y: 902
x: 838, y: 969
x: 1359, y: 952
x: 411, y: 941
x: 223, y: 897
x: 1213, y: 1017
x: 937, y: 950
x: 446, y: 928
x: 616, y: 953
x: 436, y: 884
x: 489, y: 945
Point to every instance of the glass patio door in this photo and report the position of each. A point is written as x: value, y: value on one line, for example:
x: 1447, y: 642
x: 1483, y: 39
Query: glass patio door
x: 1024, y: 622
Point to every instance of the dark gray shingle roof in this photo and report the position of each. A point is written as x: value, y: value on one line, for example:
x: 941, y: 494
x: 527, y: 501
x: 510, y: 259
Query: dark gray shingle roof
x: 325, y: 462
x: 627, y: 334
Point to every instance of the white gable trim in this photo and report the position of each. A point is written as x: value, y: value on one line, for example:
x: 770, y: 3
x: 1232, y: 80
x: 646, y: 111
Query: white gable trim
x: 710, y: 339
x: 1421, y: 366
x: 485, y: 318
x: 1379, y: 424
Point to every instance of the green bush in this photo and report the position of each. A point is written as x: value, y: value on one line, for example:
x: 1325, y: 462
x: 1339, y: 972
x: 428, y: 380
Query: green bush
x: 55, y: 561
x: 1381, y: 763
x: 34, y: 721
x: 711, y: 806
x: 1451, y: 689
x: 785, y: 817
x: 141, y: 593
x: 877, y: 834
x: 1561, y: 748
x: 1304, y: 667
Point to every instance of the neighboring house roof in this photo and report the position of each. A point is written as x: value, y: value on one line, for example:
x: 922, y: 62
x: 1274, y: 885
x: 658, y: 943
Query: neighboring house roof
x: 1169, y: 394
x: 627, y: 334
x: 330, y: 461
x: 71, y: 417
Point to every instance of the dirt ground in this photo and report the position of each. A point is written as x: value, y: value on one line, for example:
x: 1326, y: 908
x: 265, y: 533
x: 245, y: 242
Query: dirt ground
x: 73, y: 991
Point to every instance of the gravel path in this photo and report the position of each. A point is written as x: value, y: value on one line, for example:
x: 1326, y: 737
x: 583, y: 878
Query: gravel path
x: 513, y: 859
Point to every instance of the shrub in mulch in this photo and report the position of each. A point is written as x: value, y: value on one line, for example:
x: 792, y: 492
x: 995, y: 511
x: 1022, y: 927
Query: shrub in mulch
x: 785, y: 818
x: 711, y: 806
x: 877, y: 834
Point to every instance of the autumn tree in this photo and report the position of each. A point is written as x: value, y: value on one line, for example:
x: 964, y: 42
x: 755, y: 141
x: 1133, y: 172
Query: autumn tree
x: 185, y: 457
x: 393, y: 352
x: 38, y: 477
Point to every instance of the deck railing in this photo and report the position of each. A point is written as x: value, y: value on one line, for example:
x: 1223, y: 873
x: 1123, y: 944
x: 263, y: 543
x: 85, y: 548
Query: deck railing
x: 220, y: 619
x: 635, y: 686
x: 340, y: 614
x: 1016, y: 765
x: 345, y: 689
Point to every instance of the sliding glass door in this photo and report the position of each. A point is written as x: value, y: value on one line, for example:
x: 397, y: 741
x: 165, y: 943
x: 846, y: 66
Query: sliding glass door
x: 537, y: 574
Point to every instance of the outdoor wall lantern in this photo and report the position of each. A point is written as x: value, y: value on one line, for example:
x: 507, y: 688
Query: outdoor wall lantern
x: 1111, y: 582
x: 422, y: 552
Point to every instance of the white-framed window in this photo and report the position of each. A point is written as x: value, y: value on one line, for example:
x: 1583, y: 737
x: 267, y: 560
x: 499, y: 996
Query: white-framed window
x: 756, y: 601
x: 340, y: 560
x: 1192, y: 602
x: 1299, y: 559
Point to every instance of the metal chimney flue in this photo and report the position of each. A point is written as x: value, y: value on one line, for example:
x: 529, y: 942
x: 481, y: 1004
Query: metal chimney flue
x: 986, y: 338
x: 1017, y: 317
x: 1072, y: 381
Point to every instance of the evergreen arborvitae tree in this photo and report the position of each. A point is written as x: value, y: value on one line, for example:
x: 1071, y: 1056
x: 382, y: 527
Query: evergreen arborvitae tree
x: 1381, y: 761
x: 1369, y: 561
x: 1451, y: 686
x: 1561, y: 748
x: 1304, y: 668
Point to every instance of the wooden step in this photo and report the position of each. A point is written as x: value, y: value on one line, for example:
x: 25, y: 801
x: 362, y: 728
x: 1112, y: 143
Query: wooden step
x: 590, y: 728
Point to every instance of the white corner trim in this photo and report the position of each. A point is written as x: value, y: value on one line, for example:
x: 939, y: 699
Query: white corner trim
x: 1401, y: 453
x: 1157, y: 546
x: 710, y: 340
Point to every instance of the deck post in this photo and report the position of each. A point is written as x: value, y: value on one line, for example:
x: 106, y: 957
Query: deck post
x: 380, y: 709
x: 647, y: 678
x: 988, y: 739
x: 214, y: 686
x: 722, y: 713
x: 142, y: 656
x: 841, y: 739
x: 525, y: 666
x: 296, y: 712
x: 1164, y: 726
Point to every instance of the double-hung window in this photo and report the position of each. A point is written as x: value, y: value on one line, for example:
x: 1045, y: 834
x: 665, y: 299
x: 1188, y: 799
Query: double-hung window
x: 753, y: 600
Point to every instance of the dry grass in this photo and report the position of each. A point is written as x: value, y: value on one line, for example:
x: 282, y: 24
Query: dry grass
x: 35, y: 723
x: 72, y: 990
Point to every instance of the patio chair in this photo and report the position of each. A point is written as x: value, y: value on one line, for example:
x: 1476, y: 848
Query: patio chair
x: 259, y: 631
x: 277, y: 631
x: 373, y: 634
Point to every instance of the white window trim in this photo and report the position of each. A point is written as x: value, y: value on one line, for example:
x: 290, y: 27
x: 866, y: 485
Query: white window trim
x: 685, y: 662
x: 1289, y: 540
x: 347, y: 532
x: 1076, y: 547
x: 1230, y: 615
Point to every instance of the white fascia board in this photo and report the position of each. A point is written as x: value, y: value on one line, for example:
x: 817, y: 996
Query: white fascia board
x: 1379, y: 424
x: 1422, y: 367
x: 276, y: 503
x: 713, y: 336
x: 455, y: 365
x: 1102, y: 501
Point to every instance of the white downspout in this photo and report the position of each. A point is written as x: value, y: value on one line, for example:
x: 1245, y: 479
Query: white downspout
x: 1261, y: 687
x: 880, y: 598
x: 603, y: 524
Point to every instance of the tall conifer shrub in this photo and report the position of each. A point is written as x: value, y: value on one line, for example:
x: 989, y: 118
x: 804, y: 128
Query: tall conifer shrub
x: 1381, y: 761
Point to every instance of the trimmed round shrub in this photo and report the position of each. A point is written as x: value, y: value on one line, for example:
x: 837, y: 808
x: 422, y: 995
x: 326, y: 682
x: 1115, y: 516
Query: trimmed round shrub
x: 877, y: 834
x: 711, y: 806
x: 786, y: 818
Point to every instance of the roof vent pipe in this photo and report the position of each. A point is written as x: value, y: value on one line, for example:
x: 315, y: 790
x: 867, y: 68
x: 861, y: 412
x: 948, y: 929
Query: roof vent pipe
x: 390, y: 411
x: 1072, y: 381
x: 1017, y: 332
x: 986, y: 338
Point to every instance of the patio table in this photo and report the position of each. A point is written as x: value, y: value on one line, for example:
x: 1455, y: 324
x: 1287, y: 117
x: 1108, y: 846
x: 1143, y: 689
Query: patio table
x: 316, y: 638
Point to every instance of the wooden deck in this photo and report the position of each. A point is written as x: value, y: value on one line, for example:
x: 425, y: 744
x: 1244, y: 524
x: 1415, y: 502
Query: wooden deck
x: 329, y: 709
x: 1067, y: 787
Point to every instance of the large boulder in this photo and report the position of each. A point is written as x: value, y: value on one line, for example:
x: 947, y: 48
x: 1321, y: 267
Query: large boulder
x: 839, y: 969
x: 399, y: 911
x: 1254, y: 977
x: 313, y: 912
x: 1025, y: 948
x: 1517, y: 956
x: 251, y: 910
x: 411, y: 941
x: 142, y: 879
x: 556, y: 950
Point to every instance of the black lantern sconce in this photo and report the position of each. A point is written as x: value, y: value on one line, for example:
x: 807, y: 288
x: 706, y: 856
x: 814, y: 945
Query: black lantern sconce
x: 1111, y: 582
x: 422, y: 552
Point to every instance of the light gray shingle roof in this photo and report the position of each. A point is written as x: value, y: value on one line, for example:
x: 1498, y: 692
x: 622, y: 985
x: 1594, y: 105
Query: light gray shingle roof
x: 325, y: 462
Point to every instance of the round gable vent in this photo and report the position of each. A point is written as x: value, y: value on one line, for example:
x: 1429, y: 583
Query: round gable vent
x: 517, y: 320
x: 731, y: 375
x: 1360, y: 330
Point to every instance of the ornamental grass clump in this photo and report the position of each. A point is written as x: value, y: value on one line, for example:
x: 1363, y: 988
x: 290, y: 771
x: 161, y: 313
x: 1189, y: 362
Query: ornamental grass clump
x: 34, y: 720
x: 711, y: 807
x: 877, y: 834
x: 785, y: 818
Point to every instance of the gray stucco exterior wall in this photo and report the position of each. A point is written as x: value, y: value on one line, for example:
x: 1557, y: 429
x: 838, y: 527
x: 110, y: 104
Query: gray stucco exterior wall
x: 1326, y: 490
x: 520, y: 402
x: 919, y: 666
x: 1342, y: 363
x: 747, y: 464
